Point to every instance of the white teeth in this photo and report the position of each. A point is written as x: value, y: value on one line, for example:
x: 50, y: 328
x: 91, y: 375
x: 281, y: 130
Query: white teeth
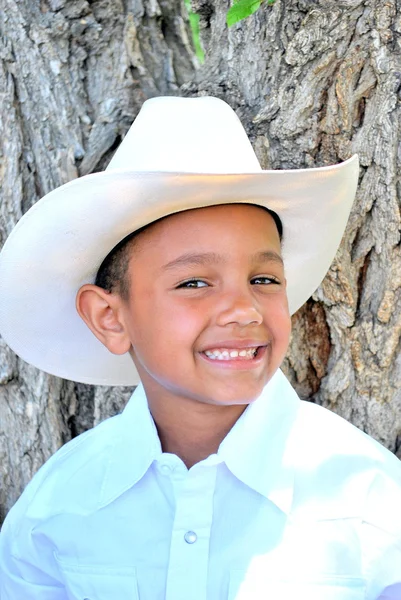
x: 225, y: 354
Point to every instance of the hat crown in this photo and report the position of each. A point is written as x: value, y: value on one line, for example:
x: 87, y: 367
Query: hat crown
x: 186, y: 135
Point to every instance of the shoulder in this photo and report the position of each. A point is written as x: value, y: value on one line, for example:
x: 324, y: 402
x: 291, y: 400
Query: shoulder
x: 70, y: 478
x: 336, y: 436
x: 351, y: 473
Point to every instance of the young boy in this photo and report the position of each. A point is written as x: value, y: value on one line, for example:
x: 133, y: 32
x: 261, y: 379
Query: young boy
x: 215, y: 482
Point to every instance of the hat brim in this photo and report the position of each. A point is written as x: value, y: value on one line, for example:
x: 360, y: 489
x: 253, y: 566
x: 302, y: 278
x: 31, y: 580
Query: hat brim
x: 61, y: 241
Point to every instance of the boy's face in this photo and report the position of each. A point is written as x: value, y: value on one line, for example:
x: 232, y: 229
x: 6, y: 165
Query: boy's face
x: 207, y: 314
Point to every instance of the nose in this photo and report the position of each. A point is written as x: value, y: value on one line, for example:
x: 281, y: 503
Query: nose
x: 239, y: 308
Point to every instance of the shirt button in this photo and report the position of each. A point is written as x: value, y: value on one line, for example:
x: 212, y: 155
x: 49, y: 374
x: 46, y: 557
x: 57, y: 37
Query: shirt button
x: 190, y: 537
x: 165, y: 469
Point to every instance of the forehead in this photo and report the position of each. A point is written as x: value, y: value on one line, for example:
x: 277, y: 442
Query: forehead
x: 213, y: 225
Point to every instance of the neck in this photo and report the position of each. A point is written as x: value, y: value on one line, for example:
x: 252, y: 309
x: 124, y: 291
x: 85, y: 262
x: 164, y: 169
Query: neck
x: 191, y: 430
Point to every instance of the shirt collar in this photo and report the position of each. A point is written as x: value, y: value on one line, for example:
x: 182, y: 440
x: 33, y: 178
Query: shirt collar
x: 258, y: 449
x: 134, y: 447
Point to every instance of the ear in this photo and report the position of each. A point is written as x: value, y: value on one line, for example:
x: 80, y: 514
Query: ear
x: 101, y: 311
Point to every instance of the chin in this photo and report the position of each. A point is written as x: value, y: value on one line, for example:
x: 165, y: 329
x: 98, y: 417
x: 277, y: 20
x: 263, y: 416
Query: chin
x: 235, y: 397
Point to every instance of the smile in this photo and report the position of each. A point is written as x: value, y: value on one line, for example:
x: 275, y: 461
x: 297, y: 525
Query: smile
x: 232, y: 353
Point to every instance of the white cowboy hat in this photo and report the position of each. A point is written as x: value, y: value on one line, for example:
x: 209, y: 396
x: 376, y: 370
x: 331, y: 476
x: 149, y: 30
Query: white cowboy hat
x: 180, y: 153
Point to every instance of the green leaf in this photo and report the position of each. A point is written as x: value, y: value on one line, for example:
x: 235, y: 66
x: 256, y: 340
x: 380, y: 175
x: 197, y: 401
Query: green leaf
x: 242, y: 9
x: 194, y: 24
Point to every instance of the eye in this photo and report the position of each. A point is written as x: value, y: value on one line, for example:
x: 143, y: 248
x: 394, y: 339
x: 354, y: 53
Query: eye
x: 264, y: 280
x: 192, y: 284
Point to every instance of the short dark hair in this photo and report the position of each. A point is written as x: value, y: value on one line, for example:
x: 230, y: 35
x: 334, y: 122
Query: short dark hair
x: 112, y: 274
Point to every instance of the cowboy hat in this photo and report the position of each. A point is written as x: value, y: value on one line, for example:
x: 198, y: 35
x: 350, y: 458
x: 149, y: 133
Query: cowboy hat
x: 179, y: 154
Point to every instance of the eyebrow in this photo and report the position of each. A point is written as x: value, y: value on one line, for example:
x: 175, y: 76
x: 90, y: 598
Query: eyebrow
x: 210, y: 258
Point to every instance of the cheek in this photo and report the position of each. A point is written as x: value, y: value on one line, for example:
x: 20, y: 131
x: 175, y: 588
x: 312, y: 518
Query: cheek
x: 280, y: 322
x: 186, y: 325
x: 162, y: 326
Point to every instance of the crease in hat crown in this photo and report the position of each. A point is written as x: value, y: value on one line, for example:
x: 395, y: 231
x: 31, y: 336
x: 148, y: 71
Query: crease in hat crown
x: 179, y: 124
x: 179, y: 154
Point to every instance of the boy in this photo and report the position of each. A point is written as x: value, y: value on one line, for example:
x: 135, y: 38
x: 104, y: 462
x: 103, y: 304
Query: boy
x: 216, y: 481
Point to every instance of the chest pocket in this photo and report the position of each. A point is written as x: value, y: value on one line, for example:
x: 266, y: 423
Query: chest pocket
x: 98, y: 583
x: 259, y: 587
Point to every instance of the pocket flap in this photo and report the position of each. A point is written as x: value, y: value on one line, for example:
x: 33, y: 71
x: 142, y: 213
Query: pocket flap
x: 88, y: 582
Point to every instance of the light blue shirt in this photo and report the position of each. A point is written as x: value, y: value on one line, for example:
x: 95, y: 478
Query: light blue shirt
x: 297, y: 503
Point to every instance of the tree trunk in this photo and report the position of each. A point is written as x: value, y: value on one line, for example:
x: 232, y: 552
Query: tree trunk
x: 313, y: 81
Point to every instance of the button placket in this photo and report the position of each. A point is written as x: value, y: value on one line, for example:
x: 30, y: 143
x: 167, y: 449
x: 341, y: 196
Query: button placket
x: 189, y: 550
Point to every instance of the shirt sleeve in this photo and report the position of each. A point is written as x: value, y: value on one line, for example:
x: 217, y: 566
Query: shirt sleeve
x: 23, y: 575
x: 381, y: 539
x: 384, y: 577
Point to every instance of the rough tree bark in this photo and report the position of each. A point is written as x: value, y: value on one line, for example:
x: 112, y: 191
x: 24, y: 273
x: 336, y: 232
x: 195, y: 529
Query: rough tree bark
x: 312, y: 80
